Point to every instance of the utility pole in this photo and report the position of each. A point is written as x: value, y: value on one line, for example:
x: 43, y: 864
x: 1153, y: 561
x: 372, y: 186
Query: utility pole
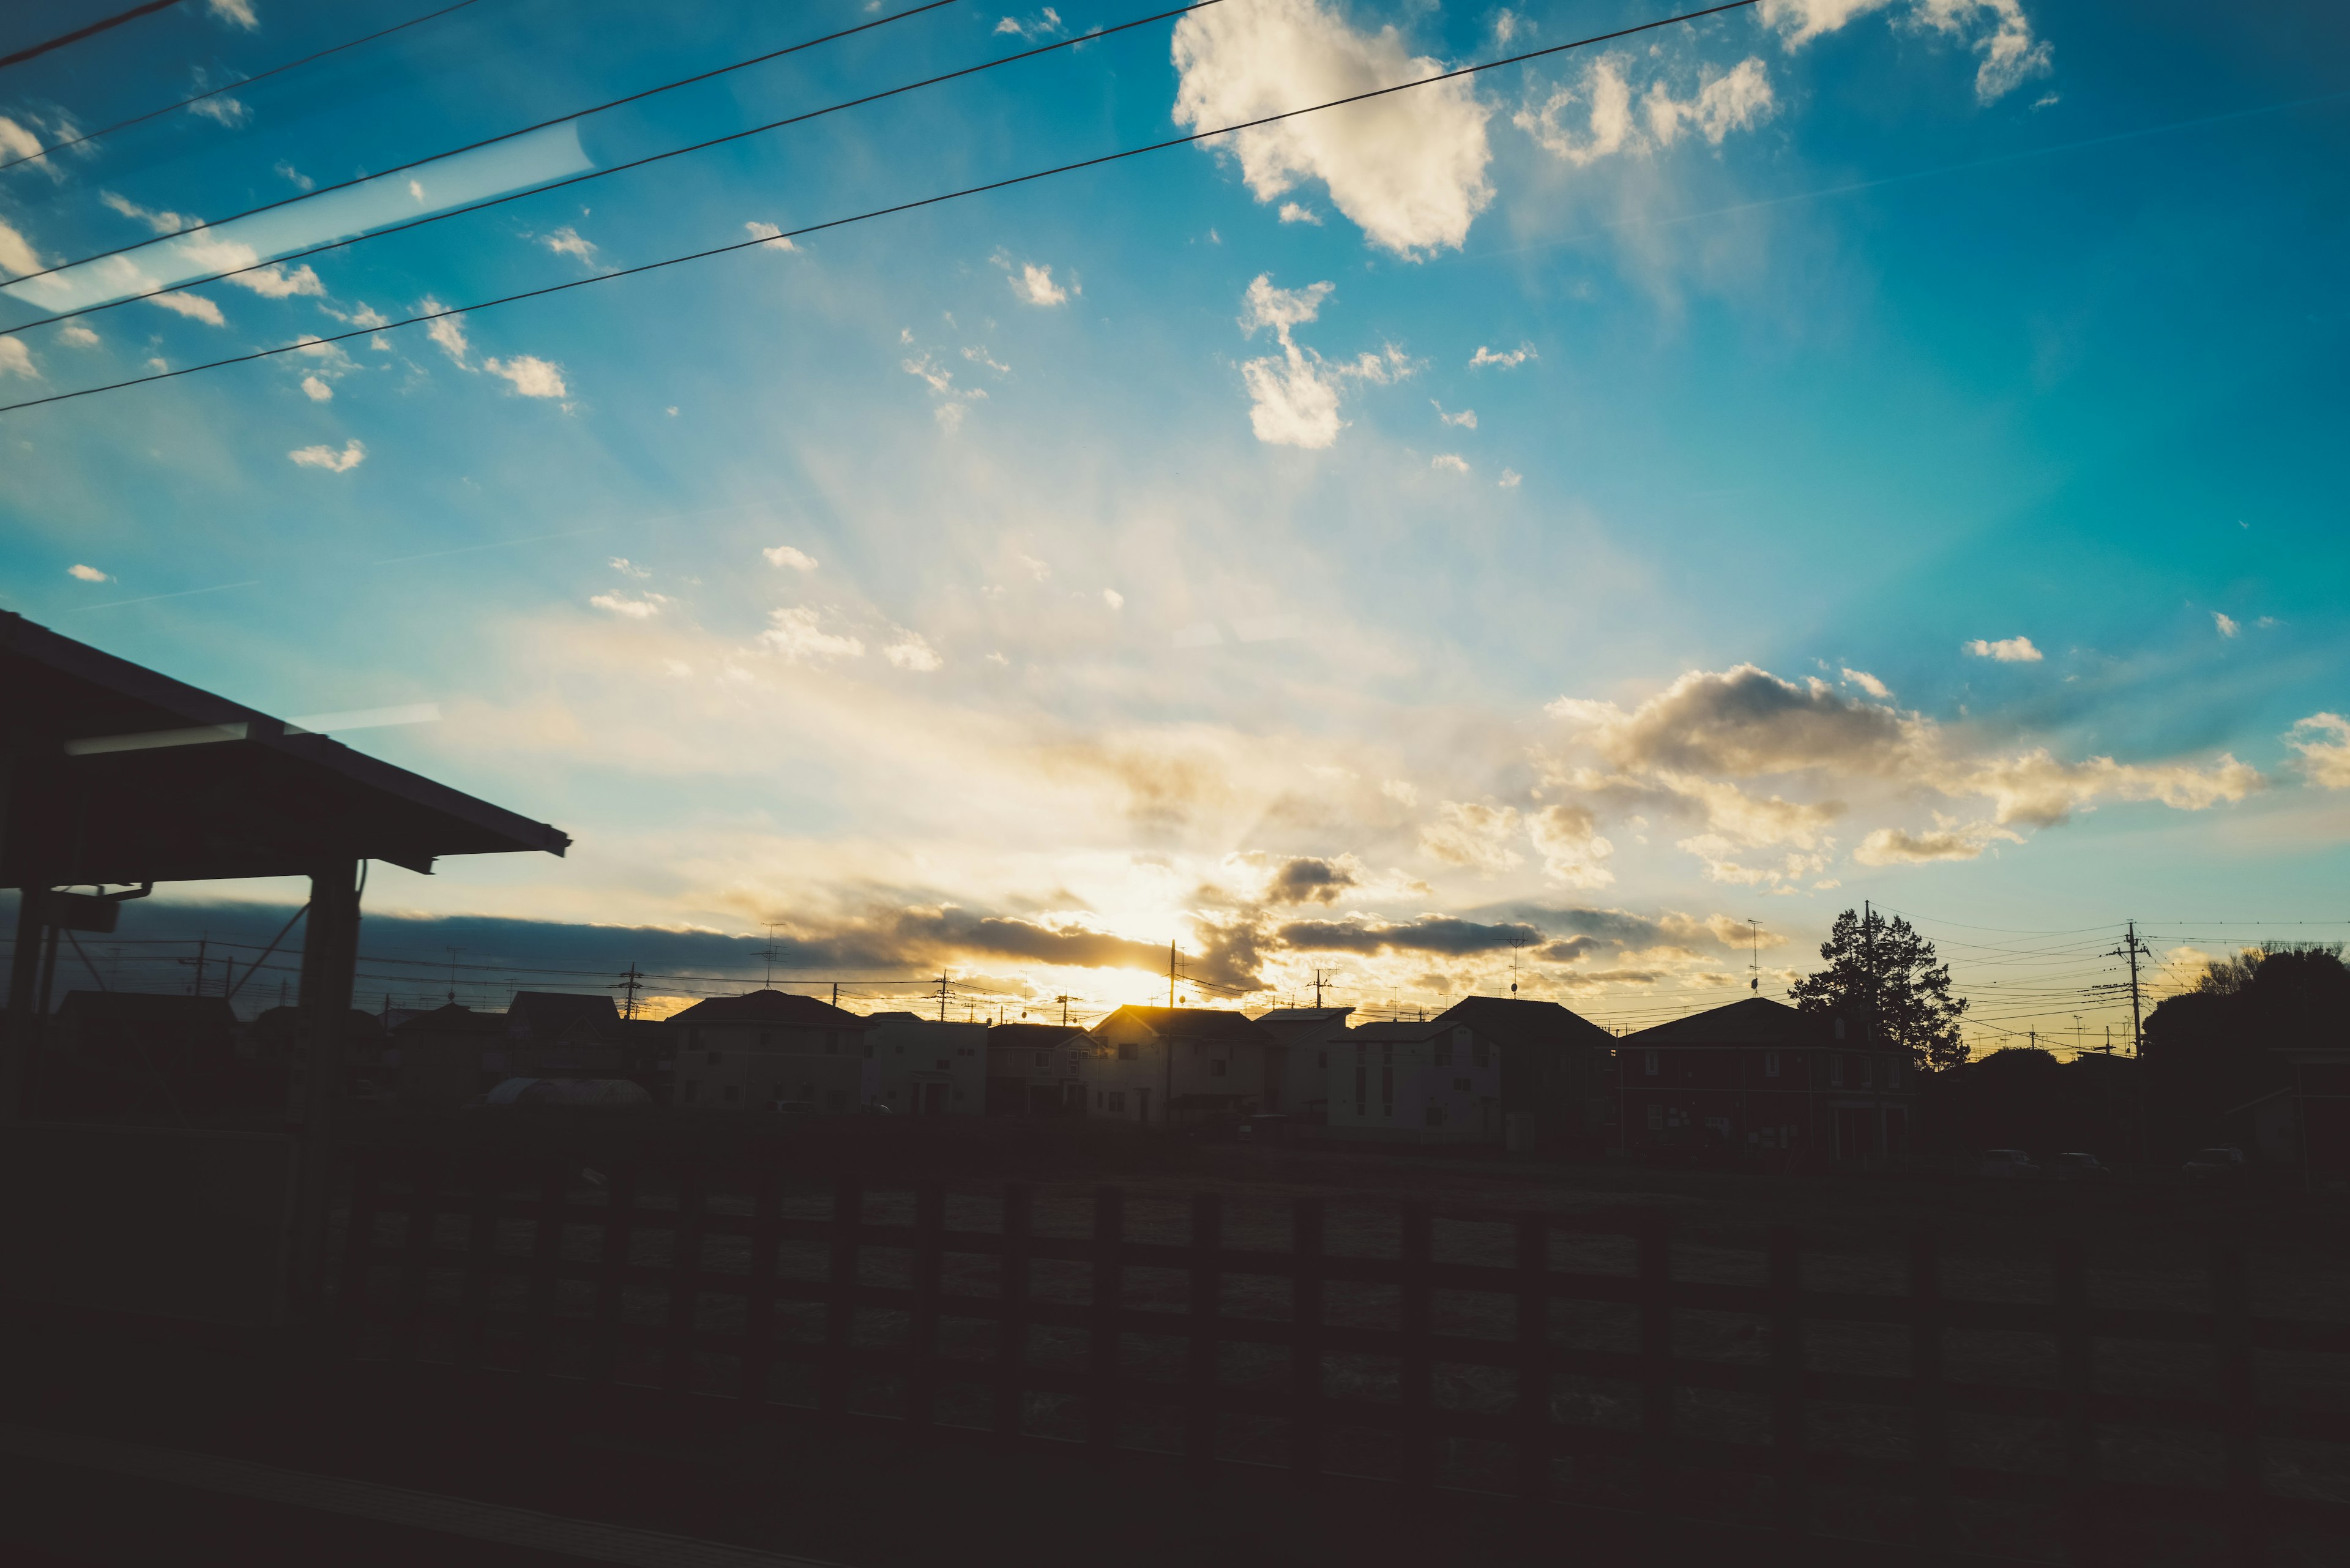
x: 835, y: 993
x: 2132, y: 948
x: 1319, y: 981
x: 944, y: 991
x: 769, y: 981
x: 1170, y: 974
x: 1064, y: 1010
x: 452, y: 975
x: 630, y: 982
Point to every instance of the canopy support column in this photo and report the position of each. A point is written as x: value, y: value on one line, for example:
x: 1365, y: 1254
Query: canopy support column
x: 320, y: 1078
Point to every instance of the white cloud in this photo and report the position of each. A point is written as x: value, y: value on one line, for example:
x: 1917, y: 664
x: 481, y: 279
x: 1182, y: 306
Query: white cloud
x: 317, y: 392
x: 1511, y: 478
x: 15, y: 359
x: 1291, y: 212
x: 1471, y: 834
x: 1568, y: 838
x: 1113, y: 598
x: 294, y: 176
x: 2227, y: 624
x: 1294, y: 400
x: 16, y: 252
x: 326, y: 457
x: 275, y: 283
x: 221, y: 108
x: 16, y: 142
x: 1034, y: 284
x: 448, y: 332
x: 567, y: 240
x: 195, y: 306
x: 912, y: 652
x: 2006, y: 650
x: 530, y: 376
x: 78, y: 335
x: 798, y: 634
x: 629, y: 568
x: 1898, y: 847
x: 1401, y: 791
x: 774, y: 237
x: 642, y: 608
x: 1408, y: 170
x: 2000, y: 32
x: 1046, y: 23
x: 416, y: 190
x: 1511, y: 360
x: 980, y: 357
x: 1507, y: 24
x: 953, y: 401
x: 156, y: 221
x: 1466, y: 418
x: 2324, y: 742
x: 1868, y: 683
x: 785, y: 555
x: 235, y: 12
x: 87, y: 574
x: 1450, y: 461
x: 1612, y: 113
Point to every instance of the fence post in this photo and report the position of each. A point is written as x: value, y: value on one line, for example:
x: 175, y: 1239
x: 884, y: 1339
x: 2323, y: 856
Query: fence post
x: 759, y: 1290
x: 1011, y: 1310
x: 2232, y: 1326
x: 1306, y: 1428
x: 619, y: 1215
x: 1655, y: 1359
x: 486, y: 1178
x: 1200, y: 1364
x: 1108, y: 1300
x: 1930, y: 1436
x: 923, y: 1346
x: 1419, y: 1460
x: 1532, y: 1409
x: 1790, y: 1434
x: 2076, y: 1377
x: 685, y: 1277
x: 546, y: 1257
x: 840, y: 1303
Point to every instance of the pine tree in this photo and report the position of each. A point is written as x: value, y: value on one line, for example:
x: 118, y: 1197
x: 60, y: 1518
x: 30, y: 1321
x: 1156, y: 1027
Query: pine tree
x: 1882, y: 976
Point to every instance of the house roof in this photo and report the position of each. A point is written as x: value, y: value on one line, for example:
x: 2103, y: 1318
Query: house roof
x: 1753, y: 1021
x: 1514, y: 1021
x: 146, y: 1007
x: 1288, y: 1024
x: 125, y: 774
x: 1409, y: 1029
x: 771, y: 1007
x: 1195, y: 1023
x: 549, y: 1011
x: 1034, y: 1035
x: 452, y: 1018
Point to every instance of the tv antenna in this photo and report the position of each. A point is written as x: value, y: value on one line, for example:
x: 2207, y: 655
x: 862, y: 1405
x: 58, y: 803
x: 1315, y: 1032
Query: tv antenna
x: 770, y: 955
x: 1064, y: 1010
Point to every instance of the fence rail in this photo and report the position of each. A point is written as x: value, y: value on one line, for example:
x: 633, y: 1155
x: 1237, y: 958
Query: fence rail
x: 544, y: 1273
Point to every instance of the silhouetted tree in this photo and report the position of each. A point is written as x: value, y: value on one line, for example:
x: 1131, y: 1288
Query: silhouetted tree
x: 2209, y: 1048
x: 1881, y: 975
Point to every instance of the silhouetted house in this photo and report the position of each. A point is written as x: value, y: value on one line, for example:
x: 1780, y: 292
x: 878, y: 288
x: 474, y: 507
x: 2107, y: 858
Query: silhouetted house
x: 449, y: 1056
x: 1429, y: 1081
x: 923, y: 1068
x: 1304, y: 1038
x: 1169, y: 1065
x: 770, y: 1048
x: 270, y: 1041
x: 558, y: 1035
x: 1555, y: 1065
x: 2306, y: 1125
x: 1032, y: 1068
x: 1758, y: 1078
x: 136, y: 1028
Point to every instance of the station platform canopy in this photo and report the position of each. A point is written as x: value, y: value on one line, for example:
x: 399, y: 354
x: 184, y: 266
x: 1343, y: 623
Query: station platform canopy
x: 116, y: 774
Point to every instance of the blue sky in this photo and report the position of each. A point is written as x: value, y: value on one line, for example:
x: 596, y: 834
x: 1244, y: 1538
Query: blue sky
x: 1829, y: 450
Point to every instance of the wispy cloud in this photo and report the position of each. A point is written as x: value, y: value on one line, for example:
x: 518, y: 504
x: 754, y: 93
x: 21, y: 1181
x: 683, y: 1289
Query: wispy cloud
x: 1510, y: 360
x: 326, y: 457
x: 2006, y: 650
x: 789, y: 556
x: 530, y: 375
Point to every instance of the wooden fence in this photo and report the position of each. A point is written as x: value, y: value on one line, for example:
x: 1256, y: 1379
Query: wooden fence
x: 769, y: 1291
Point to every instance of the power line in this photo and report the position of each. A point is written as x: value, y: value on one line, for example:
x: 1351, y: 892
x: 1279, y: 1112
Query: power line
x: 78, y: 34
x: 242, y: 82
x: 485, y: 204
x: 1006, y: 183
x: 312, y: 196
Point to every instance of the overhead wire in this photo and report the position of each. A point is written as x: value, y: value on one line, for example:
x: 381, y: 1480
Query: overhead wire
x: 500, y: 201
x: 240, y: 83
x: 315, y: 193
x: 1097, y: 161
x: 92, y: 30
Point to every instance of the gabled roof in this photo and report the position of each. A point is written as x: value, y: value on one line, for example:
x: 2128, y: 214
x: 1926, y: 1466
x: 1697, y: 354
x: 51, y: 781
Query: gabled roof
x: 1408, y: 1029
x: 453, y: 1019
x: 550, y: 1012
x: 1516, y: 1022
x: 1752, y: 1021
x: 770, y: 1007
x: 1288, y: 1024
x: 1034, y: 1035
x: 1201, y: 1023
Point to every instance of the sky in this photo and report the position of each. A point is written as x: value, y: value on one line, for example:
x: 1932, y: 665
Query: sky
x: 1578, y: 525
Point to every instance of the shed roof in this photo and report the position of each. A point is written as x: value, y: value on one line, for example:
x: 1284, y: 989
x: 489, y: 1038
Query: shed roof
x: 770, y: 1007
x: 163, y: 781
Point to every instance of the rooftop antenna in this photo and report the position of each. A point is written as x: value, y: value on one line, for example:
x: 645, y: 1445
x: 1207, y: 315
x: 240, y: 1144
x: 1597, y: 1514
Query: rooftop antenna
x: 1516, y: 947
x: 1064, y: 1010
x: 1755, y: 957
x: 769, y: 981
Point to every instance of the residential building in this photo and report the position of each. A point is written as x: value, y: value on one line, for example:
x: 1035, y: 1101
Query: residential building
x: 1304, y: 1041
x: 927, y: 1068
x: 1169, y: 1065
x: 1033, y: 1069
x: 560, y: 1034
x: 1424, y: 1082
x: 1758, y: 1078
x: 448, y: 1057
x: 767, y: 1049
x: 151, y: 1031
x: 1555, y: 1066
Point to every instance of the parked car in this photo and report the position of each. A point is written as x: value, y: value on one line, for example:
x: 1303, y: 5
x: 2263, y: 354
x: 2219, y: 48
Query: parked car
x: 2079, y: 1168
x: 2221, y: 1164
x: 2006, y: 1164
